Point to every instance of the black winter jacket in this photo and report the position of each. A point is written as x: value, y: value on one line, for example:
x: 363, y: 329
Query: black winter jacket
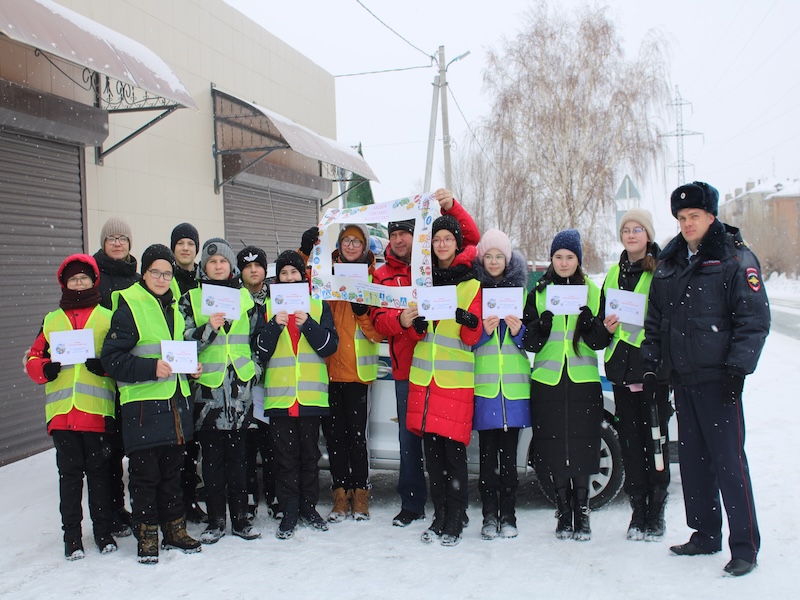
x: 114, y: 275
x: 710, y: 317
x: 149, y: 423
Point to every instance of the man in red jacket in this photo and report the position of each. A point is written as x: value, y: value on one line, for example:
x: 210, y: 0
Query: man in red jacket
x: 394, y: 324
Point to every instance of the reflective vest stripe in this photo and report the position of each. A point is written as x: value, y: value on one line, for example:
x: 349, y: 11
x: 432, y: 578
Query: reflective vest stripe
x: 147, y: 350
x: 626, y: 332
x: 76, y: 386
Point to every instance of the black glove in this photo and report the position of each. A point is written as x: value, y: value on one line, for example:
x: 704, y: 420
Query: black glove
x: 310, y: 236
x: 359, y: 309
x: 732, y: 386
x: 545, y: 323
x: 585, y: 319
x: 51, y: 370
x: 466, y: 318
x: 93, y: 365
x: 649, y: 385
x: 420, y: 325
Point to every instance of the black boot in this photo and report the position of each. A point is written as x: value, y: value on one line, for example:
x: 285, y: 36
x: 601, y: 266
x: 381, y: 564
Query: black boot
x: 583, y: 533
x: 490, y: 513
x: 241, y: 524
x: 508, y: 515
x: 657, y: 502
x: 436, y: 528
x: 453, y: 526
x: 216, y: 520
x: 564, y: 513
x: 291, y: 514
x: 638, y: 522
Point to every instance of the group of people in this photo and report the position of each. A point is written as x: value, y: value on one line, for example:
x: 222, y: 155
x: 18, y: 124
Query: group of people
x: 707, y: 316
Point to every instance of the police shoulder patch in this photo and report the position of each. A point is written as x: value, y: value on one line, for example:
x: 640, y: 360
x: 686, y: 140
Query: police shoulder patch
x: 753, y: 279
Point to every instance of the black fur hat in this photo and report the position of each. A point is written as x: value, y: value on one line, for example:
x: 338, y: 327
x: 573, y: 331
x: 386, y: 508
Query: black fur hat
x: 695, y: 195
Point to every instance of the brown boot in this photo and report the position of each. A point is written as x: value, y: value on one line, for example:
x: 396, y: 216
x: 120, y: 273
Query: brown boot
x: 341, y: 505
x: 175, y: 536
x: 361, y: 504
x: 147, y: 536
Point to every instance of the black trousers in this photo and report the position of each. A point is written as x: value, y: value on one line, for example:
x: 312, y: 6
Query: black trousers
x: 224, y: 467
x: 259, y: 441
x: 189, y: 473
x: 295, y: 441
x: 345, y: 432
x: 636, y: 439
x: 498, y: 466
x: 155, y: 484
x: 79, y: 453
x: 446, y: 461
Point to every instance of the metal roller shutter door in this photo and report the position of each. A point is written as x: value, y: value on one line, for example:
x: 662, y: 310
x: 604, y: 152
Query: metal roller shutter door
x: 40, y: 204
x: 274, y: 221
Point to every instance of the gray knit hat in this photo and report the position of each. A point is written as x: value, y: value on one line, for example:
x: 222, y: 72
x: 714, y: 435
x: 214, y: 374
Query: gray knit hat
x: 219, y: 246
x: 116, y: 226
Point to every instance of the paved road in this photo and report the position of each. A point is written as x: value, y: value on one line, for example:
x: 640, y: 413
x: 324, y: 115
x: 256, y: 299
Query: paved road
x: 785, y: 322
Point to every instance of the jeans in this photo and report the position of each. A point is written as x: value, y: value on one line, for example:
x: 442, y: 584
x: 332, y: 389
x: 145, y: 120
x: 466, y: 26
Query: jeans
x: 411, y: 484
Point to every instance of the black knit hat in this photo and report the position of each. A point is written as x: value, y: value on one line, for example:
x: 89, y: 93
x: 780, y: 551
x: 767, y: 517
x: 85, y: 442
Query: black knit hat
x: 695, y: 195
x: 401, y: 226
x: 251, y: 254
x: 569, y: 239
x: 185, y: 230
x: 290, y: 257
x: 154, y: 253
x: 450, y: 224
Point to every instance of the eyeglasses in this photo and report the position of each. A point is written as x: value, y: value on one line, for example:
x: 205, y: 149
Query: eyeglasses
x: 448, y: 241
x: 353, y: 242
x: 117, y: 239
x: 492, y: 258
x: 635, y: 231
x: 79, y: 279
x: 165, y: 275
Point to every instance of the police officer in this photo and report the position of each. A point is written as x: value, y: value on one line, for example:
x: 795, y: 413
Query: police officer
x: 707, y: 319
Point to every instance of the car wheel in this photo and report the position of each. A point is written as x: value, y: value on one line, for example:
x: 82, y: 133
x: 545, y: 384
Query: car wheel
x: 605, y: 485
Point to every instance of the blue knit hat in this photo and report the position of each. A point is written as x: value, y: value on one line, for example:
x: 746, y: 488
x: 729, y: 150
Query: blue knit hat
x: 569, y: 239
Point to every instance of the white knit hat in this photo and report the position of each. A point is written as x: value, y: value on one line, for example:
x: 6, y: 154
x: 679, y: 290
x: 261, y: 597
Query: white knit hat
x: 641, y: 216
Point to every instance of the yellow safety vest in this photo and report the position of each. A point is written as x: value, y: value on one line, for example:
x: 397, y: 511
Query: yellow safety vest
x: 232, y: 347
x: 152, y: 329
x: 303, y: 377
x: 502, y: 366
x: 630, y: 334
x: 366, y: 356
x: 75, y: 385
x: 548, y: 363
x: 442, y: 353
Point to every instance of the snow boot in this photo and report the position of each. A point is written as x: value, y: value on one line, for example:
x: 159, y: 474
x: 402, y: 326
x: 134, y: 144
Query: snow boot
x: 564, y: 513
x: 105, y: 543
x: 508, y: 513
x: 490, y: 512
x: 657, y: 502
x: 121, y: 523
x: 360, y: 499
x: 583, y: 533
x: 242, y: 527
x: 274, y: 509
x: 175, y: 536
x: 341, y: 505
x: 147, y: 550
x: 453, y: 527
x: 638, y: 522
x: 291, y: 512
x: 490, y: 527
x: 405, y: 517
x: 216, y: 520
x: 436, y: 528
x: 73, y: 546
x: 311, y: 518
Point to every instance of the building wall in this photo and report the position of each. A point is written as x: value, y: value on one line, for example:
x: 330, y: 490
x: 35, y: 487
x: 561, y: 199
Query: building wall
x: 166, y: 175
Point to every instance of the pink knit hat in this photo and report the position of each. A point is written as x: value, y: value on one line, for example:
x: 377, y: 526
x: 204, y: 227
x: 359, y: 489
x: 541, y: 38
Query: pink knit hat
x: 494, y: 238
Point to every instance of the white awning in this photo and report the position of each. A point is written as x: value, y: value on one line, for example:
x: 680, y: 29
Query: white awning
x: 313, y: 145
x: 66, y: 34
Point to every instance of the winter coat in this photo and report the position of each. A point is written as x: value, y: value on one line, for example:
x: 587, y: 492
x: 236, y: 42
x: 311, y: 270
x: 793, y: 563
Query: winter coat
x: 396, y: 272
x: 321, y: 336
x: 186, y: 279
x: 229, y: 406
x: 446, y: 411
x: 500, y: 412
x: 625, y: 365
x: 567, y: 417
x: 708, y: 317
x: 115, y: 275
x: 149, y: 423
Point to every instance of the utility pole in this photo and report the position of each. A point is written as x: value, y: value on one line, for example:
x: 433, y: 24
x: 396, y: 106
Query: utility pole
x: 426, y: 187
x: 680, y: 133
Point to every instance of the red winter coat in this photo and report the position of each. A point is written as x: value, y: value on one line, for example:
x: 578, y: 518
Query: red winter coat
x: 446, y: 411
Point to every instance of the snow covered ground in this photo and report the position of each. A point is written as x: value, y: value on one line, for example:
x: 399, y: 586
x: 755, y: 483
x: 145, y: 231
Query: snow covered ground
x: 375, y: 560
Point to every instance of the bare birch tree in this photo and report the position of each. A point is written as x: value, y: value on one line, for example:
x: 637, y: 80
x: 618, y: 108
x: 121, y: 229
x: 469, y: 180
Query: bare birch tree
x: 570, y: 114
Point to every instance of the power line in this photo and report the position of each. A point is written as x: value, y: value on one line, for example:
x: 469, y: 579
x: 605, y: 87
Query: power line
x: 393, y: 31
x: 469, y: 128
x: 385, y: 71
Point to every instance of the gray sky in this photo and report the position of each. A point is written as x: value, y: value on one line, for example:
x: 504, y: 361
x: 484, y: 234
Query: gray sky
x: 735, y: 61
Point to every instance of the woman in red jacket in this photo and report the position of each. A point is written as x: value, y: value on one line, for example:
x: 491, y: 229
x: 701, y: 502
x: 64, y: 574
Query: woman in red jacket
x: 441, y: 390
